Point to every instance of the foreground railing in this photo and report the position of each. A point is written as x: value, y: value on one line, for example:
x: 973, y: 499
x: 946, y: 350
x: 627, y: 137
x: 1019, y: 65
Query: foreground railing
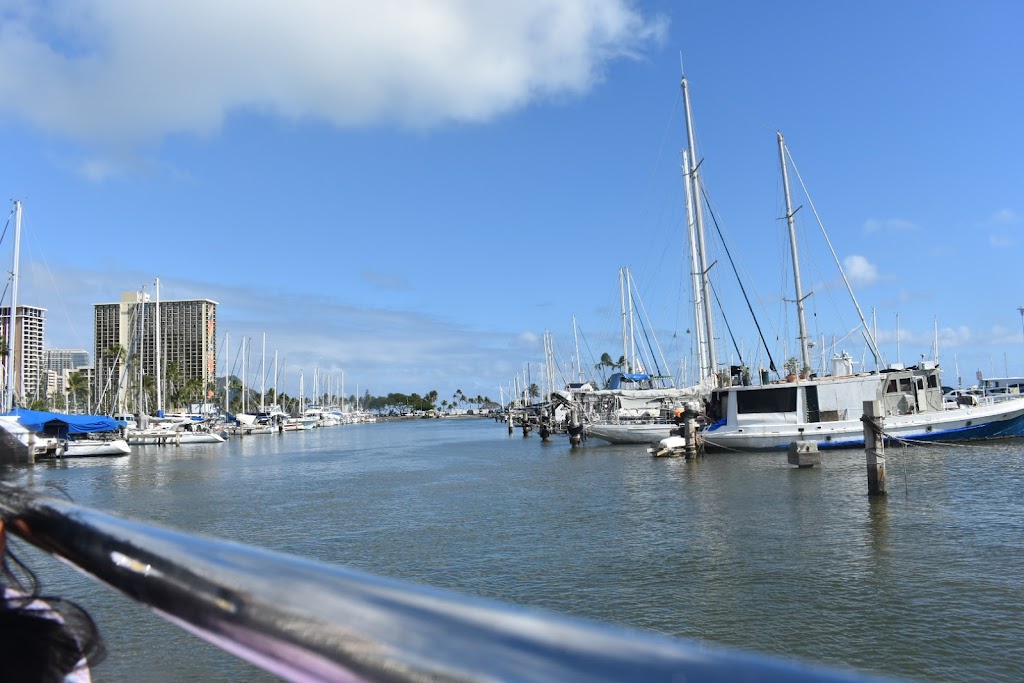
x: 307, y: 621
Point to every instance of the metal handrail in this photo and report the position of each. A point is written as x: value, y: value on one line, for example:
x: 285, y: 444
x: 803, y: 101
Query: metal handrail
x: 309, y: 621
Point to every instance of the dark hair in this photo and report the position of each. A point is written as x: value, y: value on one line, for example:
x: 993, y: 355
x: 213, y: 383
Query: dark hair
x: 42, y: 638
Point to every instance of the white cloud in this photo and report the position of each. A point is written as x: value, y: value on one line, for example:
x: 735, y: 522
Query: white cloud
x: 385, y: 280
x: 124, y: 71
x: 380, y: 351
x: 859, y: 270
x: 998, y: 225
x: 1003, y: 217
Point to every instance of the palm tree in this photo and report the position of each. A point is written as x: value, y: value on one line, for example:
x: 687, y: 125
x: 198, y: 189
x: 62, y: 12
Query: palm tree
x: 77, y: 385
x: 172, y: 378
x: 193, y: 389
x: 113, y: 355
x: 149, y: 390
x: 607, y: 362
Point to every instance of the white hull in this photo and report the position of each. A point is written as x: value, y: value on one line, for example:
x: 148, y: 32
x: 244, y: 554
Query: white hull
x: 259, y: 429
x: 159, y: 437
x: 91, y: 447
x: 995, y: 420
x: 622, y: 434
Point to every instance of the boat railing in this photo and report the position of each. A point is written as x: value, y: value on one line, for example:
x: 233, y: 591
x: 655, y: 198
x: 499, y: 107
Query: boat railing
x: 308, y: 621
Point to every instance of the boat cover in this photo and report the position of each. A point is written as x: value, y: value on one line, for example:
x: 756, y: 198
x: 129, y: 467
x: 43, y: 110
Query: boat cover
x: 61, y: 424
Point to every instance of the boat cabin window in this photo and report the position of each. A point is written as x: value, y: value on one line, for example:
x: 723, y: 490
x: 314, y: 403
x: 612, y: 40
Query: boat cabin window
x: 905, y: 386
x: 890, y: 388
x: 933, y: 381
x: 766, y: 400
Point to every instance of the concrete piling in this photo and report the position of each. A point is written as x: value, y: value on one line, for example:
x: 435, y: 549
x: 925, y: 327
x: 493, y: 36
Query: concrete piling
x: 804, y: 454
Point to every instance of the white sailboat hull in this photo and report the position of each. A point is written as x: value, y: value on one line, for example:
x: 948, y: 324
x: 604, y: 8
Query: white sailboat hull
x: 624, y: 434
x: 157, y: 437
x: 93, y: 447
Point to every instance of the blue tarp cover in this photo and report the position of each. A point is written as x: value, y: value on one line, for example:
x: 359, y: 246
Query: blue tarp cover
x: 37, y: 421
x: 616, y: 380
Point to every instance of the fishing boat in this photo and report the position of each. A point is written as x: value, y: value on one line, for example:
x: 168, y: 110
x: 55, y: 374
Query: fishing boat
x: 828, y: 410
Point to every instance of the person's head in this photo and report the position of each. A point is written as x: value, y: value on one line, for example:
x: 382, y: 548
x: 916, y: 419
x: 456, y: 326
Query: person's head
x: 42, y: 638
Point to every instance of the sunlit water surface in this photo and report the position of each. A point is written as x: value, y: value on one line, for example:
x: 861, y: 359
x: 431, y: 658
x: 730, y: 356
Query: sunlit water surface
x: 736, y: 550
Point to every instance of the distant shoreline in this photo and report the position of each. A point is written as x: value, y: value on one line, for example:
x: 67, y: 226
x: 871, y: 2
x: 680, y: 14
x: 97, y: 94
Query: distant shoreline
x: 426, y: 417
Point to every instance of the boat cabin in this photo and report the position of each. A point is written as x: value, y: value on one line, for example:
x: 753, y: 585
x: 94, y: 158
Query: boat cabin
x: 827, y: 399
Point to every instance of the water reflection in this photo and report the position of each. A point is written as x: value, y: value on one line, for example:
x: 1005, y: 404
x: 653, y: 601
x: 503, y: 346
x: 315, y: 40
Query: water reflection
x: 737, y: 549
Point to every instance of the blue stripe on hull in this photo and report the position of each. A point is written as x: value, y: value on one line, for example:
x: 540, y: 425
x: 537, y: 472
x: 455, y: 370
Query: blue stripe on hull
x: 1000, y: 429
x: 1003, y: 429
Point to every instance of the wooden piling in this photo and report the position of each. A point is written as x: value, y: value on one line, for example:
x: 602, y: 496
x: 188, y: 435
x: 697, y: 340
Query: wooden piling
x: 874, y: 448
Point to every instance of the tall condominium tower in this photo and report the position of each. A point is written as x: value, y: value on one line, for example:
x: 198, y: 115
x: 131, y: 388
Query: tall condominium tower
x: 129, y: 350
x: 29, y: 325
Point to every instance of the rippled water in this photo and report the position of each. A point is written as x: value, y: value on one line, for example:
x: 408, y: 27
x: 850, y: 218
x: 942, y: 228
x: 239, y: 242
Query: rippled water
x: 736, y: 550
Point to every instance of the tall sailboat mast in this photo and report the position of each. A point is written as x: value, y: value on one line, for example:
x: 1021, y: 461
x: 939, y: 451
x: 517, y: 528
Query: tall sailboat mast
x: 227, y: 374
x: 12, y: 356
x: 705, y: 283
x: 576, y: 342
x: 622, y: 304
x: 159, y: 359
x: 695, y: 276
x: 141, y: 355
x: 805, y: 355
x: 631, y: 358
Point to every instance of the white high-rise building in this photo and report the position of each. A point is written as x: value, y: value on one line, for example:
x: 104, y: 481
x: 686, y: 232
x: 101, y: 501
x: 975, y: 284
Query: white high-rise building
x: 29, y: 327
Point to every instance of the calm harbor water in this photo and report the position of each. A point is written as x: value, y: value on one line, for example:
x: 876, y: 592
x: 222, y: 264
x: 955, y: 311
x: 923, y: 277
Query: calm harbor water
x: 736, y: 550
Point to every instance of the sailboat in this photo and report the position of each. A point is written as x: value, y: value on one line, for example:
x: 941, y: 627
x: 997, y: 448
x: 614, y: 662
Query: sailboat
x: 638, y: 405
x: 46, y: 433
x: 646, y: 415
x: 828, y: 410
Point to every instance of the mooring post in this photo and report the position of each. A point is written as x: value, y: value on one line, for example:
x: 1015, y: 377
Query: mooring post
x: 874, y: 448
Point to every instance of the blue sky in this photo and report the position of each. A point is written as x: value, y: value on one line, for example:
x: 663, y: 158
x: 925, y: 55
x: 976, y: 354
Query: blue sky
x: 413, y: 193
